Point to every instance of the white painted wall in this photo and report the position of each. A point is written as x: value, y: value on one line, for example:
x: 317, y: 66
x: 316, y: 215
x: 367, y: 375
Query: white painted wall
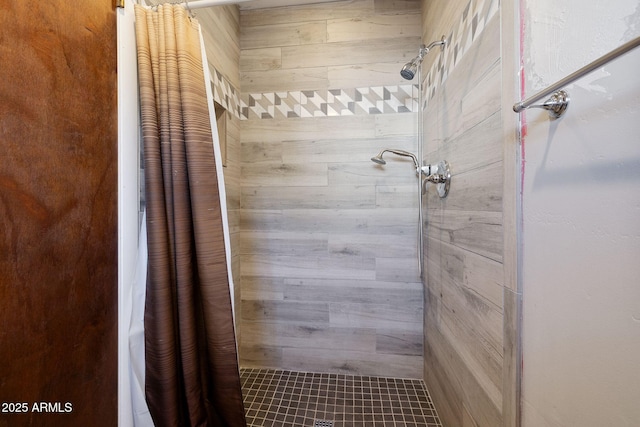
x: 581, y: 219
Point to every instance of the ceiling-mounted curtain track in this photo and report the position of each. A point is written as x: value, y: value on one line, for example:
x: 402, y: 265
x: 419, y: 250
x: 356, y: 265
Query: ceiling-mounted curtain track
x: 557, y: 104
x: 200, y: 4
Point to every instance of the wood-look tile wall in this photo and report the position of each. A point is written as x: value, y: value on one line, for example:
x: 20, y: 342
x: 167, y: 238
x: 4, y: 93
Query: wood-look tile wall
x: 468, y: 308
x: 329, y: 239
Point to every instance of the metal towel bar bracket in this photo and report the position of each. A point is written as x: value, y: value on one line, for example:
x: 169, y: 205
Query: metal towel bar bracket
x: 557, y: 104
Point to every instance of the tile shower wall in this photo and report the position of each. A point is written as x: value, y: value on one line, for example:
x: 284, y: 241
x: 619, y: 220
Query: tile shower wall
x: 328, y: 239
x: 467, y: 303
x: 221, y: 34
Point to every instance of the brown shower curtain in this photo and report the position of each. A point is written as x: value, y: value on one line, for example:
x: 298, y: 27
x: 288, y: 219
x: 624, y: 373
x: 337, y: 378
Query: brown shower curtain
x: 192, y: 374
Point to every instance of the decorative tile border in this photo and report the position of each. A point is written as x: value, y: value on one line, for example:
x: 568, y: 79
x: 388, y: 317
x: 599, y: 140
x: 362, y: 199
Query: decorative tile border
x: 225, y: 94
x: 330, y: 103
x: 470, y: 26
x: 364, y: 100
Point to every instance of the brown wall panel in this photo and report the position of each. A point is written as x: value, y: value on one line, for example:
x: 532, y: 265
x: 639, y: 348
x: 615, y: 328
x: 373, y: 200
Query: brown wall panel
x: 58, y: 212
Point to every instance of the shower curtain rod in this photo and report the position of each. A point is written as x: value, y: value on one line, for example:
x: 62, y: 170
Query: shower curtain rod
x: 200, y: 4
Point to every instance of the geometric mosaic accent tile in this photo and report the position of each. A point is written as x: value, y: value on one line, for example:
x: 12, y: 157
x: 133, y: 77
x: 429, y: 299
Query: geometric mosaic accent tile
x: 329, y: 103
x: 470, y: 26
x: 225, y: 94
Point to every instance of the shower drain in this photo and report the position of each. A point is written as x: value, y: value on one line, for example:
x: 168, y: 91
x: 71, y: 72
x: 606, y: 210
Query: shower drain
x: 323, y: 423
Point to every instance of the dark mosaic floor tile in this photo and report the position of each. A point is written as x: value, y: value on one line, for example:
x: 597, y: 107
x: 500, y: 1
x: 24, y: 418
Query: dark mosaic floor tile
x: 300, y: 399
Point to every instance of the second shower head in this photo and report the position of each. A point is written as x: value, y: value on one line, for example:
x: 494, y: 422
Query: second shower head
x: 409, y: 69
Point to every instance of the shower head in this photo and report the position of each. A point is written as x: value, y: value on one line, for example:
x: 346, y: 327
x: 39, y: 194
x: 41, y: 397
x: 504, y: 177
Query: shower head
x: 408, y: 72
x: 379, y: 160
x: 409, y: 69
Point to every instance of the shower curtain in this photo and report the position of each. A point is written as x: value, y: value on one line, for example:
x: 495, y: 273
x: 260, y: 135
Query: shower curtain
x: 191, y: 363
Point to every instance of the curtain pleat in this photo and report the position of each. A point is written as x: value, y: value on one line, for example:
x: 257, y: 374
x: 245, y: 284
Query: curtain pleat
x: 192, y: 376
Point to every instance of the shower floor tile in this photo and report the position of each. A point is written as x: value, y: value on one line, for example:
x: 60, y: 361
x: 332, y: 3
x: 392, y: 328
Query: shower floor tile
x: 300, y: 399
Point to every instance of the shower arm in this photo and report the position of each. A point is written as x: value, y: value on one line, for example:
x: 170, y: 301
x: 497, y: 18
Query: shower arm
x: 403, y: 153
x: 378, y: 158
x: 426, y: 170
x: 425, y: 49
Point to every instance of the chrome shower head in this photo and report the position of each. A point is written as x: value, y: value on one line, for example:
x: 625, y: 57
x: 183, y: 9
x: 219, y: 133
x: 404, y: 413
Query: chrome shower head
x: 409, y: 69
x: 378, y: 159
x: 408, y: 72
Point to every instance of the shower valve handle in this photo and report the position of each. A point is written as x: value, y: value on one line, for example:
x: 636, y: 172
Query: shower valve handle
x: 436, y: 178
x: 439, y: 174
